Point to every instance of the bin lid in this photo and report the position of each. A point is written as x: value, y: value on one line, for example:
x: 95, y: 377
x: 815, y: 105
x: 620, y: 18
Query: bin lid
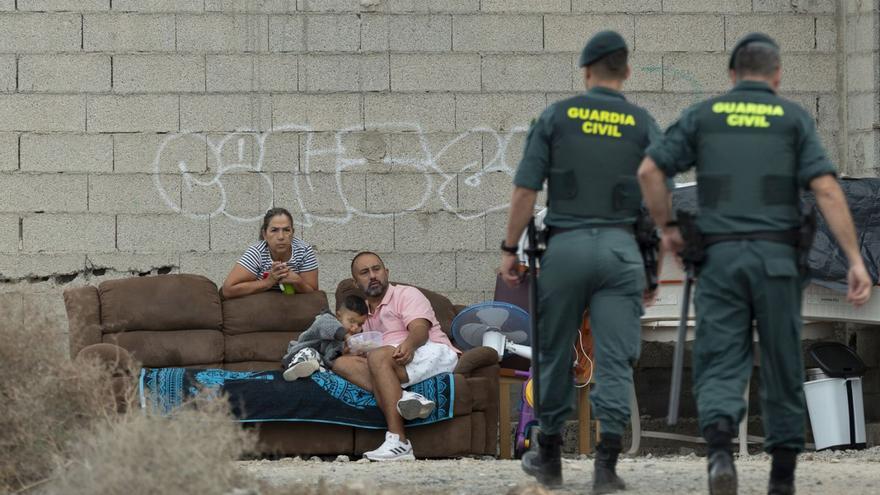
x: 837, y: 360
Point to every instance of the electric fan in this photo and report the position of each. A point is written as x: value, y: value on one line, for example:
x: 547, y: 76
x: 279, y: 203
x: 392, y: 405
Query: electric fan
x: 499, y: 325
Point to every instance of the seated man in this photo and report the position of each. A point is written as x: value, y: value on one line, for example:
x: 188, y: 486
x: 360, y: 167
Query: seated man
x: 415, y: 348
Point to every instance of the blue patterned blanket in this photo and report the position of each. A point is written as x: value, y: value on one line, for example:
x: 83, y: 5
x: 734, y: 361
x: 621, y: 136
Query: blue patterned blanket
x: 265, y: 396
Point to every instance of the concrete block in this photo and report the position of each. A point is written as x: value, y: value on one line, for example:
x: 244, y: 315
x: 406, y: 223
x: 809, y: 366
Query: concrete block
x: 540, y: 6
x: 160, y: 233
x: 719, y: 6
x: 861, y: 72
x: 809, y: 72
x: 679, y: 33
x: 826, y: 110
x: 8, y: 233
x: 263, y: 6
x: 69, y: 232
x: 437, y: 152
x: 133, y: 113
x: 332, y: 33
x: 44, y: 193
x: 795, y: 33
x: 333, y: 268
x: 11, y: 314
x: 394, y: 6
x: 495, y: 224
x: 544, y: 72
x: 234, y: 153
x: 403, y: 191
x: 286, y: 33
x: 826, y: 34
x: 128, y: 33
x: 862, y: 111
x: 864, y: 153
x: 132, y: 262
x: 502, y: 111
x: 440, y: 72
x: 250, y: 112
x: 222, y: 33
x: 240, y: 196
x: 695, y: 72
x: 215, y: 266
x: 8, y: 151
x: 281, y: 152
x: 62, y: 5
x: 42, y: 113
x: 467, y: 297
x: 647, y: 72
x: 861, y: 32
x: 74, y: 73
x: 406, y: 33
x: 67, y: 152
x: 629, y: 6
x: 569, y: 33
x: 317, y: 112
x: 808, y: 102
x: 357, y: 152
x: 343, y: 72
x: 242, y: 73
x: 158, y: 73
x: 484, y: 191
x: 359, y: 234
x: 503, y: 153
x: 497, y: 33
x: 29, y: 33
x: 427, y: 112
x: 437, y: 232
x: 665, y: 107
x: 45, y: 312
x: 18, y: 267
x: 155, y: 6
x: 8, y: 73
x: 234, y: 236
x: 147, y: 153
x: 133, y: 193
x: 326, y: 195
x: 476, y: 270
x: 9, y: 5
x: 800, y: 7
x: 410, y: 268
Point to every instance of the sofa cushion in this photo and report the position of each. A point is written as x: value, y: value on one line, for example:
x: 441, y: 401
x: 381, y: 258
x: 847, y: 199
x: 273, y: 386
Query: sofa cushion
x: 272, y: 311
x: 161, y: 303
x: 159, y: 349
x: 442, y: 306
x: 258, y: 346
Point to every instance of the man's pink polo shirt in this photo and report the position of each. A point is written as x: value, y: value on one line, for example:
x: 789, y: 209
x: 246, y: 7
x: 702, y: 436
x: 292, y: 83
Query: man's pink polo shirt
x: 399, y: 307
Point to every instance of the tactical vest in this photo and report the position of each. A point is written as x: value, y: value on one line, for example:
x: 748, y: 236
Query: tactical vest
x: 598, y: 144
x: 747, y: 156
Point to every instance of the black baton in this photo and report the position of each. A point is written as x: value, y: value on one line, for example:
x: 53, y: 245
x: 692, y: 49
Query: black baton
x: 533, y: 250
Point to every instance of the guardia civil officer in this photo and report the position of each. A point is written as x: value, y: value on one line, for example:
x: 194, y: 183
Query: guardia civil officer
x: 588, y: 149
x: 752, y: 151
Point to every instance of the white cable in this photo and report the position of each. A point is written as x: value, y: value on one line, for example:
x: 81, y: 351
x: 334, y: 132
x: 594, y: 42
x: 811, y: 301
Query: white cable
x: 580, y: 342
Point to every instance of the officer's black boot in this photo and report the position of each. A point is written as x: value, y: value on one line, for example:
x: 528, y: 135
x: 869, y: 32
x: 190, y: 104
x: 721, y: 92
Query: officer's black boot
x: 605, y: 479
x: 782, y: 472
x: 545, y: 462
x: 722, y: 472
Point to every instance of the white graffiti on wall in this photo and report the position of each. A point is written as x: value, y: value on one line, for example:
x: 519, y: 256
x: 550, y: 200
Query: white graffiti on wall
x: 245, y: 151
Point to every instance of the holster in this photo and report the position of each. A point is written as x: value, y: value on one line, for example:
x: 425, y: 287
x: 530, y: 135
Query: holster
x: 806, y: 235
x: 694, y: 252
x: 649, y: 243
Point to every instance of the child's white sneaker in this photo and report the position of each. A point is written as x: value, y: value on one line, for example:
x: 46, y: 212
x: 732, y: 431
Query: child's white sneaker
x: 392, y: 450
x: 412, y: 405
x: 303, y: 364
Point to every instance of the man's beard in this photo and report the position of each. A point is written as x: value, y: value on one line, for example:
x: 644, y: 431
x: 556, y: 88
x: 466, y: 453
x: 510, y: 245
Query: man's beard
x: 373, y: 290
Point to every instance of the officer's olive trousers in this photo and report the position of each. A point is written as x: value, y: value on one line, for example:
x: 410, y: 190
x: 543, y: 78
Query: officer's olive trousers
x: 600, y: 268
x: 743, y: 281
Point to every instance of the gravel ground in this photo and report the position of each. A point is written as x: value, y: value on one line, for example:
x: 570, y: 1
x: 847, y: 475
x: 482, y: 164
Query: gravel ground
x: 849, y: 473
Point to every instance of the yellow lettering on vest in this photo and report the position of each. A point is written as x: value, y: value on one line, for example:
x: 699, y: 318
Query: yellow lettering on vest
x: 572, y: 112
x: 629, y: 120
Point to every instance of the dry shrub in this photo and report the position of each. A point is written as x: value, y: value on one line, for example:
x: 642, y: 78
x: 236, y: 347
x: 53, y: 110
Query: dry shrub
x: 45, y: 401
x: 189, y: 452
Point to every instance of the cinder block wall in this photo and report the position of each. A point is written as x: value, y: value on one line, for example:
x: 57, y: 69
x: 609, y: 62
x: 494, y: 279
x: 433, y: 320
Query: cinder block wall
x: 149, y: 136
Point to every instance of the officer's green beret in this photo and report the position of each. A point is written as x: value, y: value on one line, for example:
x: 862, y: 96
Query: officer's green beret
x: 601, y: 44
x: 751, y: 38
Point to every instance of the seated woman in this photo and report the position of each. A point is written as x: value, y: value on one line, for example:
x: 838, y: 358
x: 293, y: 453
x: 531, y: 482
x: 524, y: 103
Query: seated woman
x: 278, y: 261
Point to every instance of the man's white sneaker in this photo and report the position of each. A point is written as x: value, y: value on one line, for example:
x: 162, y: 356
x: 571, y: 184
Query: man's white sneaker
x: 392, y: 450
x: 412, y: 405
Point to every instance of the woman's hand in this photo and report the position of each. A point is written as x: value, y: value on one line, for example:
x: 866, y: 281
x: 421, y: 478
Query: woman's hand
x: 279, y: 271
x: 291, y: 278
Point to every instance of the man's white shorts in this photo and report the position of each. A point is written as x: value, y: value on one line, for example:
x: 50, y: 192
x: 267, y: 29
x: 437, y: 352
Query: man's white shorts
x: 429, y: 360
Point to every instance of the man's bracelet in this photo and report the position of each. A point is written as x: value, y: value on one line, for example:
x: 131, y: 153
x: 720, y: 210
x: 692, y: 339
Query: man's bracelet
x: 509, y: 249
x: 672, y: 223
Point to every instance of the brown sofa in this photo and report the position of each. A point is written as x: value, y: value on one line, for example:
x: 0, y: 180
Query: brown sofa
x: 181, y: 320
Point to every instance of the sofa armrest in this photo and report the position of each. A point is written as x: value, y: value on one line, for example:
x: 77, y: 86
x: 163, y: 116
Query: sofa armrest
x: 121, y: 367
x: 83, y: 317
x: 458, y: 308
x: 476, y: 358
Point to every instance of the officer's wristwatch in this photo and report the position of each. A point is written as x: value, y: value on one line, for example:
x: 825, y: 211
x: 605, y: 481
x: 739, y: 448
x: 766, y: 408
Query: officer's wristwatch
x: 509, y: 249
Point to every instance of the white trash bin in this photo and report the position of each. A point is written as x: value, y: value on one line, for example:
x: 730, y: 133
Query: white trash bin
x: 834, y: 397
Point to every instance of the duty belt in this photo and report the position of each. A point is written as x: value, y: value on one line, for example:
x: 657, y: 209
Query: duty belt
x: 790, y: 237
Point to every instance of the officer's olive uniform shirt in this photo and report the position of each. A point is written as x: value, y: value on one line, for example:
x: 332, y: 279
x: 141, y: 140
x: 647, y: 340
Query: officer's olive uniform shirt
x: 753, y: 151
x: 595, y: 131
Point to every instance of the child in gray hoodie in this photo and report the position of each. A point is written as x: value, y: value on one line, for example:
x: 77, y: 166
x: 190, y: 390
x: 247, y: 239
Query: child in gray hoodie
x: 325, y: 339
